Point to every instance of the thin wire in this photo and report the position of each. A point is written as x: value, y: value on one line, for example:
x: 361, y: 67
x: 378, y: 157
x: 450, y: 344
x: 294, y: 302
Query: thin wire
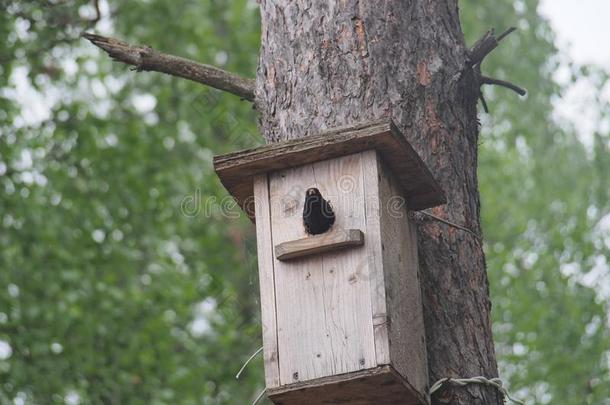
x: 241, y: 370
x: 446, y: 222
x: 260, y: 396
x: 494, y: 382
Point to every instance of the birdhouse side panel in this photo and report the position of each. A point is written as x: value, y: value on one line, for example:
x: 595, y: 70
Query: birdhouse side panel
x: 323, y: 307
x: 266, y: 280
x: 403, y: 289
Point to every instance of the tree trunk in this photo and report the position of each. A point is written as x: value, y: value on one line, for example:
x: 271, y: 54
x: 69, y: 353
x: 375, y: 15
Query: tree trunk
x: 326, y: 63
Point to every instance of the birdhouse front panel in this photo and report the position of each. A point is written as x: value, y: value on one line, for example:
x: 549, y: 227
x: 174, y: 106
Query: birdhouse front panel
x: 323, y: 306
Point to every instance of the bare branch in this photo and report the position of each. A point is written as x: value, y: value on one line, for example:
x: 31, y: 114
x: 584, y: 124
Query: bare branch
x: 483, y: 102
x: 147, y: 59
x: 98, y: 14
x: 490, y: 80
x: 478, y: 52
x: 486, y: 44
x: 506, y: 33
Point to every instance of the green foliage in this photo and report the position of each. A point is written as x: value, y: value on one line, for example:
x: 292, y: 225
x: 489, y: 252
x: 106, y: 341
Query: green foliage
x: 122, y: 282
x: 110, y: 288
x: 544, y: 194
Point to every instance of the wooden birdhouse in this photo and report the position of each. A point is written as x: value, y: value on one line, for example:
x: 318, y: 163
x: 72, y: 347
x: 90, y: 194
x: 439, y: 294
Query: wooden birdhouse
x: 341, y: 310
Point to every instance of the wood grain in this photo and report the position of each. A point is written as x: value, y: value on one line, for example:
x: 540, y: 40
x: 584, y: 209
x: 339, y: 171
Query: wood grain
x: 418, y: 186
x: 323, y: 310
x: 336, y: 313
x: 266, y: 281
x: 334, y: 240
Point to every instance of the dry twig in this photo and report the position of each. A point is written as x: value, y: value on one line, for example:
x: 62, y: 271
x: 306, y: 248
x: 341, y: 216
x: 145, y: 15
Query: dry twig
x: 144, y: 58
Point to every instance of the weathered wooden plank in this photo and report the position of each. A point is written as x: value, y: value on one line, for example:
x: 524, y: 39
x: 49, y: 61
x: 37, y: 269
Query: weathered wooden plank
x: 323, y: 313
x: 402, y: 286
x: 374, y: 254
x: 300, y: 299
x: 248, y: 156
x: 266, y: 281
x: 417, y: 183
x: 379, y: 386
x: 336, y: 239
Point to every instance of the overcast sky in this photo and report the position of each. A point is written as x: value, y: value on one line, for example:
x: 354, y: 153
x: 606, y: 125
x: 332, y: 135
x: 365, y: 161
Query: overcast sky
x: 583, y: 27
x: 583, y: 31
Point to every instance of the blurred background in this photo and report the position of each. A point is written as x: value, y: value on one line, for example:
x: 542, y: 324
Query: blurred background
x: 119, y: 285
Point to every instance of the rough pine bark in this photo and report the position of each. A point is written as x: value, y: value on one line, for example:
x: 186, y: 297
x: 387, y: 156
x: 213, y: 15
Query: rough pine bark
x: 326, y: 63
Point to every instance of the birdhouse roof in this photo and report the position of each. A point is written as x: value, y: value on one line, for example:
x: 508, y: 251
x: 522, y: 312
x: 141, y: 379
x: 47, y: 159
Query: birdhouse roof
x: 236, y: 170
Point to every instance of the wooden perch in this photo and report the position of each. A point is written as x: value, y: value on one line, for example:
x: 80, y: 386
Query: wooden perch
x: 318, y: 244
x: 146, y: 58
